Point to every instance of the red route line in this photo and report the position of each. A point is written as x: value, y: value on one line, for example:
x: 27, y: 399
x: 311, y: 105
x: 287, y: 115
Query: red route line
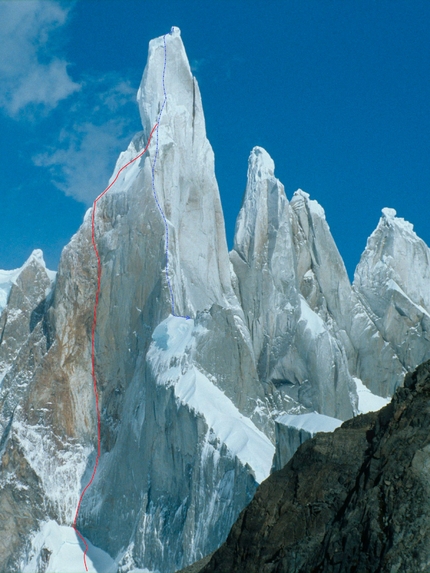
x: 93, y: 332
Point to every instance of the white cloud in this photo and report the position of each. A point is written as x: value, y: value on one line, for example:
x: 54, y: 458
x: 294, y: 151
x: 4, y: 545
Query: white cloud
x: 95, y: 126
x: 30, y: 77
x: 82, y: 161
x: 83, y: 168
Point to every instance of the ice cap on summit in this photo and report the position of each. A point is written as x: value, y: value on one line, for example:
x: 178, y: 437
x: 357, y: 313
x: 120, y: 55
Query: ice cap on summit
x: 389, y: 213
x: 261, y: 164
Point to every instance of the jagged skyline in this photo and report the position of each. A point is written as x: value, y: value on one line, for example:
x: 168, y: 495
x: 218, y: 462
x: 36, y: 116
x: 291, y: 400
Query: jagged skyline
x: 336, y: 94
x: 190, y: 409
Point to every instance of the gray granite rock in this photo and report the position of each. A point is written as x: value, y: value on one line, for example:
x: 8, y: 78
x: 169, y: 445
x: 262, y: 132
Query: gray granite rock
x: 294, y: 348
x: 354, y: 500
x: 188, y: 405
x: 168, y: 470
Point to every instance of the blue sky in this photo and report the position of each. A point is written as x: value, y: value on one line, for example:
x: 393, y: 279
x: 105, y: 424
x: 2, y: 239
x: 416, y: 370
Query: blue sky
x: 337, y: 91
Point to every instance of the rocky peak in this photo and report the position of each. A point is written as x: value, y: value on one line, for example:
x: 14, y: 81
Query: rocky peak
x: 263, y: 259
x: 24, y: 277
x: 321, y: 271
x: 24, y: 292
x: 395, y: 253
x: 168, y: 86
x: 187, y: 406
x: 293, y: 347
x: 185, y: 182
x: 354, y: 500
x: 392, y: 281
x: 263, y: 233
x: 161, y: 409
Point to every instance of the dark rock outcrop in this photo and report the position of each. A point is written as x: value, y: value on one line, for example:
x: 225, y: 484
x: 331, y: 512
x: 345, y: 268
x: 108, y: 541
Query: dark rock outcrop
x: 356, y: 500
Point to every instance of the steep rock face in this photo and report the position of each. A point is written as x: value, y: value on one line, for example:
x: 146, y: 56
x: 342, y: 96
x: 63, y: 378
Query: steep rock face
x: 194, y: 457
x: 185, y: 177
x: 23, y: 343
x: 392, y: 281
x: 24, y: 293
x: 137, y: 497
x: 293, y: 346
x: 325, y: 285
x: 170, y: 509
x: 285, y: 258
x: 291, y: 431
x: 354, y: 500
x: 264, y: 262
x: 187, y: 404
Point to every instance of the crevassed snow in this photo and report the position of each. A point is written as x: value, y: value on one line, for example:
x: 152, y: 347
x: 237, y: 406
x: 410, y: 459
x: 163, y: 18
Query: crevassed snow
x: 65, y: 552
x: 367, y: 401
x: 312, y: 423
x: 169, y: 355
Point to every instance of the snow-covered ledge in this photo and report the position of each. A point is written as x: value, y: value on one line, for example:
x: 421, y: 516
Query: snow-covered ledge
x: 292, y: 430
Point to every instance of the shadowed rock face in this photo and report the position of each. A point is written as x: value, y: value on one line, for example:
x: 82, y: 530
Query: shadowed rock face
x: 355, y: 500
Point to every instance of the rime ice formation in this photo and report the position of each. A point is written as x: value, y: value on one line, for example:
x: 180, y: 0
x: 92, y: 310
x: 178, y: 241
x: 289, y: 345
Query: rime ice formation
x: 190, y: 409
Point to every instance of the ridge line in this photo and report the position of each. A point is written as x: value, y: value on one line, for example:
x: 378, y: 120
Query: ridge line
x: 93, y: 332
x: 166, y: 225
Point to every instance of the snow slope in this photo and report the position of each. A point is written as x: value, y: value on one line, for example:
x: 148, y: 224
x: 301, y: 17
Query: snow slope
x: 7, y: 278
x: 312, y: 423
x: 367, y: 401
x: 173, y: 342
x: 58, y: 548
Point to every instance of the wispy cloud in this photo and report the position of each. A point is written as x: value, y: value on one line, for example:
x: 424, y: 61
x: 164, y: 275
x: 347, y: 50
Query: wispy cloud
x: 82, y: 161
x: 95, y: 125
x: 197, y: 64
x: 30, y: 78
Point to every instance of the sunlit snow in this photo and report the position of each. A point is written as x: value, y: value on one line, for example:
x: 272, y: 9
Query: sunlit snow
x: 173, y: 341
x: 367, y: 401
x: 60, y: 547
x: 313, y: 322
x: 8, y: 278
x: 312, y: 423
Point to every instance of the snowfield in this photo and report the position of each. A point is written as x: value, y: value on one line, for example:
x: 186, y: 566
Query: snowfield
x: 367, y: 401
x: 312, y: 423
x: 59, y: 549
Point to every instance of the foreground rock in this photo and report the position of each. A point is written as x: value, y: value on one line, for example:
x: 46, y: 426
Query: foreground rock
x: 354, y: 500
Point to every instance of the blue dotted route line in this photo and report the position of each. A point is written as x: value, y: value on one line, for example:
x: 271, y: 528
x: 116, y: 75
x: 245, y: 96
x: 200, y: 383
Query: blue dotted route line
x: 166, y: 227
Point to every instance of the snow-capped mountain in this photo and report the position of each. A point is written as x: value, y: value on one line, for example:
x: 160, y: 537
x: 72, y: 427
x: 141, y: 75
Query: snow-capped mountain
x: 196, y: 375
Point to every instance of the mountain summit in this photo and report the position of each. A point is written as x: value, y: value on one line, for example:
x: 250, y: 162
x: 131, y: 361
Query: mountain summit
x: 190, y: 409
